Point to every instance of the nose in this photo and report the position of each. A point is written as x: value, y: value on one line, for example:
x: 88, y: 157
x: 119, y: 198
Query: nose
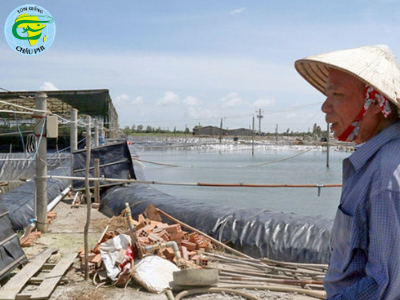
x: 326, y: 106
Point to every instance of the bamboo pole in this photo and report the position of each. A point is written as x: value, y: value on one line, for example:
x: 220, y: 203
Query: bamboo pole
x: 237, y: 278
x: 240, y: 184
x: 316, y: 294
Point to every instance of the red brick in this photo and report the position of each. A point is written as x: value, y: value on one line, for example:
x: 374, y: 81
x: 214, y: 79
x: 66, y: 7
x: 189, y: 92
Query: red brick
x: 185, y: 253
x: 144, y: 240
x: 140, y: 218
x: 195, y: 258
x: 169, y: 253
x: 173, y: 229
x: 189, y: 245
x: 155, y: 238
x: 97, y: 260
x: 38, y: 233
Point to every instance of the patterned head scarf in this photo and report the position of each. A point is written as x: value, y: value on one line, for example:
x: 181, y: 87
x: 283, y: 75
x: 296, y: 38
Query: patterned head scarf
x: 371, y: 95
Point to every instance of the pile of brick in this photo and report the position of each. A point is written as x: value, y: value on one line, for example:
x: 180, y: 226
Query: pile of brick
x: 50, y: 216
x: 28, y: 240
x: 30, y: 236
x: 191, y: 245
x: 150, y: 232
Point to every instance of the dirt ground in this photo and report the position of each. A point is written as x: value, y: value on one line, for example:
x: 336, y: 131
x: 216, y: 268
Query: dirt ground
x: 66, y: 233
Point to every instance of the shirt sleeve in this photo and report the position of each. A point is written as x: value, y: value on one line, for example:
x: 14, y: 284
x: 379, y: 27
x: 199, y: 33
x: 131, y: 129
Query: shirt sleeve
x: 382, y: 274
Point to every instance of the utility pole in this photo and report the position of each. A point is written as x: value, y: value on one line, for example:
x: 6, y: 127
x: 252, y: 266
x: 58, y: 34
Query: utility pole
x: 276, y: 134
x: 252, y: 140
x: 220, y: 132
x: 41, y: 162
x: 259, y: 116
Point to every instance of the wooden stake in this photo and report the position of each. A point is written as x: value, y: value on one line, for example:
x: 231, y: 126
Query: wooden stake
x: 88, y: 198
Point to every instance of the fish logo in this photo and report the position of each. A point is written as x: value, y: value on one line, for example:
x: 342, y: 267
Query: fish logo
x: 30, y: 29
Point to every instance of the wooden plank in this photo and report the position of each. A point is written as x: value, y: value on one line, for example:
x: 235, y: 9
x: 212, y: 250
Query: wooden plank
x: 39, y: 280
x: 16, y: 283
x: 53, y: 278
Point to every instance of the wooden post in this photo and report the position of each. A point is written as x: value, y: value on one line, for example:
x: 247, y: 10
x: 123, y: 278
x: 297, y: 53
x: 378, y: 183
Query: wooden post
x: 74, y: 130
x: 96, y: 133
x: 41, y: 161
x: 73, y: 137
x: 88, y: 197
x: 97, y: 183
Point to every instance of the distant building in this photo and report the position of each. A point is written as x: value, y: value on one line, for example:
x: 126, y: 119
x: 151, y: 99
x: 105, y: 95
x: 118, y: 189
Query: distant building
x: 240, y: 132
x: 216, y: 131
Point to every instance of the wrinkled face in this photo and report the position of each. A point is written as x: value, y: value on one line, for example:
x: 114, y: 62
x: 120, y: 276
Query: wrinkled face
x: 345, y: 99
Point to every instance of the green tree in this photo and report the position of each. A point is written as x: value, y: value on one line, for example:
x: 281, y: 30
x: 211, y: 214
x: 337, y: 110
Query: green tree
x: 127, y: 130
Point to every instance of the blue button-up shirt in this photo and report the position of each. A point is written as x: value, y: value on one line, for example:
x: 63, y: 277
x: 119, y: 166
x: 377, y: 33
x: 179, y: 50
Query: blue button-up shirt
x: 365, y: 261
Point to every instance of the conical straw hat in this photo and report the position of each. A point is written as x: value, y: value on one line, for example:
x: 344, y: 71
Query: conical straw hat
x: 374, y: 65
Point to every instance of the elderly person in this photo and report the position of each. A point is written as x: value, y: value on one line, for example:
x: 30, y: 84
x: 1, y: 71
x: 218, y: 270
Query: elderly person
x: 362, y: 89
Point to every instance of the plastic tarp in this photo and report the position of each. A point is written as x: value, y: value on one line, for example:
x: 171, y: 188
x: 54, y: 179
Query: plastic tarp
x: 20, y: 202
x: 11, y: 254
x: 256, y: 232
x: 109, y: 251
x: 114, y: 159
x: 155, y: 273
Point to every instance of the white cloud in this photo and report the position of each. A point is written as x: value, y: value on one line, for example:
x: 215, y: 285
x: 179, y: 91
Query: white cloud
x: 169, y: 98
x: 48, y: 86
x: 232, y: 100
x: 123, y: 97
x: 198, y: 113
x: 121, y: 100
x: 137, y: 101
x: 264, y: 102
x: 191, y: 101
x: 237, y: 11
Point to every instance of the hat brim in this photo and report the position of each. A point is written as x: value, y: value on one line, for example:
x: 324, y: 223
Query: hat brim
x: 373, y: 65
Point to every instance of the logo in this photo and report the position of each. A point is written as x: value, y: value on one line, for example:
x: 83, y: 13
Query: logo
x: 30, y: 30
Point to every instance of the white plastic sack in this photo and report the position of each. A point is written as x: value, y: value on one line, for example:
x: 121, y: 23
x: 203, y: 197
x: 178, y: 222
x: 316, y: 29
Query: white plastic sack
x: 109, y: 251
x: 155, y: 273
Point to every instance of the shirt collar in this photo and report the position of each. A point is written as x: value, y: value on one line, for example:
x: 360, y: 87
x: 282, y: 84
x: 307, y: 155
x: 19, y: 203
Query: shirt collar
x: 369, y: 148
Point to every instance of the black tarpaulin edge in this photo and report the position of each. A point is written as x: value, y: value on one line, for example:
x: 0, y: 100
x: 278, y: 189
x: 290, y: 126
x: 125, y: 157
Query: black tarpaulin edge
x: 256, y: 232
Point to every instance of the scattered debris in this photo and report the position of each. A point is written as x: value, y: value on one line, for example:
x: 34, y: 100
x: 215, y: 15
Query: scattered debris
x: 163, y: 254
x: 130, y: 248
x: 30, y: 236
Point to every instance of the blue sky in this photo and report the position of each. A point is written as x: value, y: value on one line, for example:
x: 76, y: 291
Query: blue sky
x: 174, y: 64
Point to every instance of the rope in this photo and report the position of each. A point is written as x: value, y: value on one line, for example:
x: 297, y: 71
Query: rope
x: 154, y: 163
x: 40, y: 139
x: 277, y: 160
x: 19, y: 130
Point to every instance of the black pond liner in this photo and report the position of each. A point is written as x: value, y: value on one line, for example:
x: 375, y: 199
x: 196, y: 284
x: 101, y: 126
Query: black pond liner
x: 256, y: 232
x: 21, y: 200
